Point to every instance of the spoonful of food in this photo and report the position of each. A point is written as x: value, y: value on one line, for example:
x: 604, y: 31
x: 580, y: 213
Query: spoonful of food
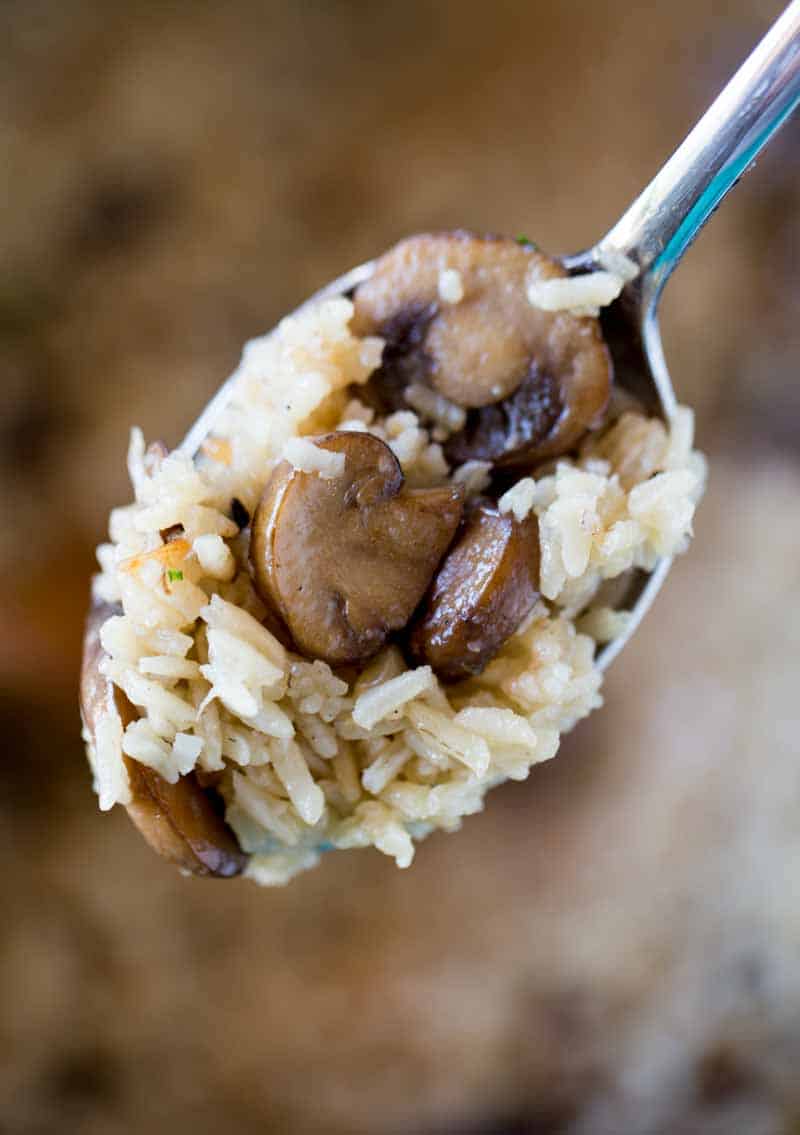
x: 372, y: 582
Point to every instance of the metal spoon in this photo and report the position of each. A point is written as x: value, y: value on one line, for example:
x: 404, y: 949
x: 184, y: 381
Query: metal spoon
x: 654, y: 232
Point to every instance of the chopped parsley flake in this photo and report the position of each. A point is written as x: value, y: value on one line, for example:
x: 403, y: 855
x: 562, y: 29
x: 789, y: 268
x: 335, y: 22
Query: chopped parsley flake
x: 525, y: 241
x: 173, y: 575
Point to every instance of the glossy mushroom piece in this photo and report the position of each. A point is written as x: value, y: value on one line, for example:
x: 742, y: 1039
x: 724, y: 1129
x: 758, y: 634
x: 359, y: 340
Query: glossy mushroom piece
x: 178, y: 820
x: 344, y: 559
x: 487, y: 584
x: 533, y: 381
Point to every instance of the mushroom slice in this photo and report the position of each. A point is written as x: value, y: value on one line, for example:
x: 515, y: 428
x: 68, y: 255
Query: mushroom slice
x: 344, y: 560
x: 508, y: 432
x: 179, y: 821
x: 490, y: 346
x: 485, y: 587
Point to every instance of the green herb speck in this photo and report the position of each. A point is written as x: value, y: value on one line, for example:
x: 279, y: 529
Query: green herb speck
x: 173, y: 575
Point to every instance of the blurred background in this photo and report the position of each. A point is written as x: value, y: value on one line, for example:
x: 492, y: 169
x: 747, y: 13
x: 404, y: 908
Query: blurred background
x: 611, y: 948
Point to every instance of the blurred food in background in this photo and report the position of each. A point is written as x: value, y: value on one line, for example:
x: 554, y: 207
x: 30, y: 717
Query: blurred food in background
x: 611, y: 947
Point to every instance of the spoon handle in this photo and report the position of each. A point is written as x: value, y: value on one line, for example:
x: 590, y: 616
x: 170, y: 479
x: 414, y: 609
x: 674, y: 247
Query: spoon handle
x: 663, y: 221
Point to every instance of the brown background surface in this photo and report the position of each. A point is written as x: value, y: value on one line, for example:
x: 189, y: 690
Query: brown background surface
x: 611, y: 948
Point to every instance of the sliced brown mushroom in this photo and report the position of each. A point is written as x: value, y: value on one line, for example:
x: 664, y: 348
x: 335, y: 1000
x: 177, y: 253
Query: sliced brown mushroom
x: 179, y: 820
x: 508, y: 432
x: 485, y: 587
x: 345, y: 560
x: 534, y: 381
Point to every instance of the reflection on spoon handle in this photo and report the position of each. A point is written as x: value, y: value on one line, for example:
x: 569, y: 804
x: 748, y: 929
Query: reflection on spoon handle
x: 663, y: 221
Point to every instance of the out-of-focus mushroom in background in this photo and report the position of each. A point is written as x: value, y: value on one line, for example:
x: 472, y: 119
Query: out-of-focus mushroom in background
x: 610, y: 947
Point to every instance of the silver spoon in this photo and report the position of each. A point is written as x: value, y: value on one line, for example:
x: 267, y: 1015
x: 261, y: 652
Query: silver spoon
x: 654, y: 232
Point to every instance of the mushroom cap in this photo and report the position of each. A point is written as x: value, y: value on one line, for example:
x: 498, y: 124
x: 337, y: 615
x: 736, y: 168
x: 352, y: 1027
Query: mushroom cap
x: 486, y: 585
x: 344, y: 560
x: 178, y: 820
x: 479, y: 351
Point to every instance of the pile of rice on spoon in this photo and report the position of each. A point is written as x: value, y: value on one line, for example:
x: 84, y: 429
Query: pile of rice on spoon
x: 377, y: 588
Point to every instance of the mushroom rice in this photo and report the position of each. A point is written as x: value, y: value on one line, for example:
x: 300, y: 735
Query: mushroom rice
x: 377, y: 588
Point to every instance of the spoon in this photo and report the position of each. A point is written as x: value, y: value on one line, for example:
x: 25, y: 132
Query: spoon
x: 655, y: 232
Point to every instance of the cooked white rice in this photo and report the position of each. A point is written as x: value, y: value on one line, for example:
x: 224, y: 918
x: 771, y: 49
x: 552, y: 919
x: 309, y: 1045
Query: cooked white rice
x: 473, y: 476
x: 582, y: 295
x: 434, y: 407
x: 310, y: 458
x: 307, y: 760
x: 612, y: 260
x: 451, y: 286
